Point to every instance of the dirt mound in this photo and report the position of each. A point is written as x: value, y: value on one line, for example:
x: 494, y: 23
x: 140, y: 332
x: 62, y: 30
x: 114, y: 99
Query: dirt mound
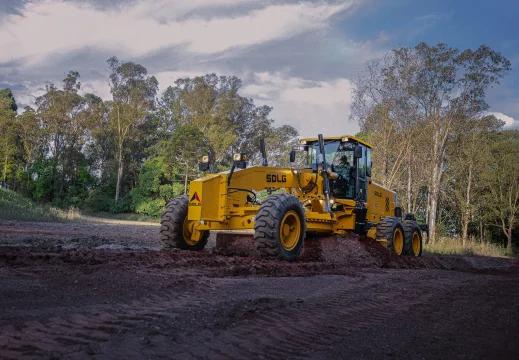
x: 328, y: 255
x: 354, y: 251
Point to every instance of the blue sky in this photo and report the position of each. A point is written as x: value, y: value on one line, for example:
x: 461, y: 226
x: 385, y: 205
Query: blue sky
x: 461, y: 24
x: 298, y: 56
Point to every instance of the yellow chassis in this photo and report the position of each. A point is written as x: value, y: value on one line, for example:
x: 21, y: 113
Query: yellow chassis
x: 216, y: 205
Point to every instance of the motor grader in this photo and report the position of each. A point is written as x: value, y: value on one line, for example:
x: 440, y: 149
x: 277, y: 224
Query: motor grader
x: 332, y: 194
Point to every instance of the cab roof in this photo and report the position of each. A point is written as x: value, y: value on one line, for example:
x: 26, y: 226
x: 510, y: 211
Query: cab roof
x: 349, y: 137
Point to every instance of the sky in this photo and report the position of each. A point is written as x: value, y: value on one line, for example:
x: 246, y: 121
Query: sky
x: 297, y: 56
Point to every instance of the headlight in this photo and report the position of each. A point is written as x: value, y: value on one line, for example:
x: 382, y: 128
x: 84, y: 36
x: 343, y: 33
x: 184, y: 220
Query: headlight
x: 205, y: 159
x: 302, y: 142
x: 236, y: 157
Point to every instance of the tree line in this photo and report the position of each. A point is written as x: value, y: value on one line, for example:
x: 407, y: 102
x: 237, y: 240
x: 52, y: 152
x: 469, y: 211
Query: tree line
x: 423, y: 109
x: 451, y: 163
x: 137, y: 151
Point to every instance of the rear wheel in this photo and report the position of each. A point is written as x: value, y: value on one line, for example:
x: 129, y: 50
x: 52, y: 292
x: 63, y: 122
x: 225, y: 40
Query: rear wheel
x: 390, y: 229
x: 279, y: 230
x: 176, y: 229
x: 412, y: 238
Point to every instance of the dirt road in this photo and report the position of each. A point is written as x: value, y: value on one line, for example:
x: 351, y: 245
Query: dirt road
x: 106, y: 291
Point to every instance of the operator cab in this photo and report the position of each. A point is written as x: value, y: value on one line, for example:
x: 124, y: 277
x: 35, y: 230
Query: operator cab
x: 340, y: 157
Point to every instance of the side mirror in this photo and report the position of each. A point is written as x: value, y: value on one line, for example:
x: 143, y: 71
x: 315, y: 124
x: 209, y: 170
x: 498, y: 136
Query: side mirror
x: 240, y: 160
x: 358, y: 152
x: 292, y: 156
x: 203, y: 165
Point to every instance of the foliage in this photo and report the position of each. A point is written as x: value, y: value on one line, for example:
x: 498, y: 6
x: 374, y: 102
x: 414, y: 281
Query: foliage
x: 424, y: 108
x: 14, y: 206
x: 151, y: 196
x: 99, y: 200
x: 501, y: 197
x: 133, y: 97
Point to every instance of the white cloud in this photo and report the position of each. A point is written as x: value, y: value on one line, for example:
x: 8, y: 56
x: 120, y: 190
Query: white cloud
x: 165, y: 10
x: 168, y: 78
x: 58, y: 30
x: 97, y: 87
x: 52, y: 26
x: 312, y: 107
x: 510, y: 123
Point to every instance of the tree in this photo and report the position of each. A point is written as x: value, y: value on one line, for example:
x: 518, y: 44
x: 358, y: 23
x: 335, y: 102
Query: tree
x: 502, y: 182
x: 451, y: 88
x: 30, y: 133
x: 388, y: 115
x: 133, y: 97
x: 468, y: 157
x: 228, y: 122
x: 430, y: 90
x: 64, y: 118
x: 8, y: 109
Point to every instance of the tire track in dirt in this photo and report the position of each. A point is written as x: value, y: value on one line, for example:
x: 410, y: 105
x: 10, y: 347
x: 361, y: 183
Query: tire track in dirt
x: 207, y: 321
x: 320, y: 320
x: 285, y: 333
x: 78, y: 331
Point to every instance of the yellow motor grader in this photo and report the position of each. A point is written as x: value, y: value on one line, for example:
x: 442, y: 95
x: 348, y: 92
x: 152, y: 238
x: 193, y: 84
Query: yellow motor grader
x: 332, y: 194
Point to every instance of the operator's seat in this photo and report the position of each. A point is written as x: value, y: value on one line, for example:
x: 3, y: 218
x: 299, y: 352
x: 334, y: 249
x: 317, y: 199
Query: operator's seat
x: 341, y: 185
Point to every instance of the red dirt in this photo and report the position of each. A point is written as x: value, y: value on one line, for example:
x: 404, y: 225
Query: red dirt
x: 106, y: 291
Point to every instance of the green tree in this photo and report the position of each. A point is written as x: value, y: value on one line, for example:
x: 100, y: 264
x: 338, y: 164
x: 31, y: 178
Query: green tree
x: 133, y: 95
x: 413, y: 102
x: 502, y: 179
x: 9, y: 138
x: 468, y: 157
x: 64, y: 123
x: 450, y: 88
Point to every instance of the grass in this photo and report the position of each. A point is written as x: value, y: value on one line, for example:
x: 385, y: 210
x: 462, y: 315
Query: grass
x: 14, y: 206
x: 449, y: 246
x: 124, y: 216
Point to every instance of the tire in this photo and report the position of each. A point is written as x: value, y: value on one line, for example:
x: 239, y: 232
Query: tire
x: 172, y: 231
x: 412, y: 238
x: 391, y: 229
x: 279, y: 230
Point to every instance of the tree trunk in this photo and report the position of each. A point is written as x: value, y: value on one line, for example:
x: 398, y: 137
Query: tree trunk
x: 15, y: 172
x: 185, y: 179
x: 509, y: 237
x: 481, y: 229
x: 432, y: 219
x: 119, y: 173
x: 464, y: 228
x: 409, y: 179
x: 5, y: 167
x: 428, y: 207
x: 466, y: 208
x: 435, y: 187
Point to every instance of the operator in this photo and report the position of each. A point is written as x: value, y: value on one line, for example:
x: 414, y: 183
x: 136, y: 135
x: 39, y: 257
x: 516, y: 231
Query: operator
x: 342, y: 167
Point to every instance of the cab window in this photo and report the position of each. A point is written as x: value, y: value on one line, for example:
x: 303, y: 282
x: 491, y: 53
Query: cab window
x: 362, y: 164
x: 368, y: 165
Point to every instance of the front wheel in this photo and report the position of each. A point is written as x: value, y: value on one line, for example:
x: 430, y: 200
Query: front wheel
x: 176, y: 229
x: 280, y: 226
